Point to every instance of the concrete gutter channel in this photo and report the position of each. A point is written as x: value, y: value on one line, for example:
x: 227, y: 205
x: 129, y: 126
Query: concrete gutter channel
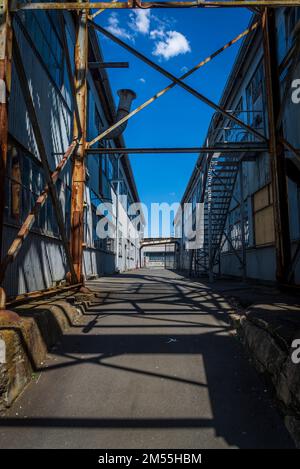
x: 266, y: 330
x: 30, y: 334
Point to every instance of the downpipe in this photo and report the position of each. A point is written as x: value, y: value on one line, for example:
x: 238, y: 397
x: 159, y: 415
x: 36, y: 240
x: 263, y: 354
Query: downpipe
x: 126, y: 97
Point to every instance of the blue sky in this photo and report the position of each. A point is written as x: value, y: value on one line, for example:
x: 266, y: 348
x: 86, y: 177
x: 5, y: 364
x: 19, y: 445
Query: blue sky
x: 177, y: 40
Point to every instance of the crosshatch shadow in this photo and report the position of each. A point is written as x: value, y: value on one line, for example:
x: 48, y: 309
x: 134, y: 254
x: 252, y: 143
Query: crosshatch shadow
x: 237, y: 397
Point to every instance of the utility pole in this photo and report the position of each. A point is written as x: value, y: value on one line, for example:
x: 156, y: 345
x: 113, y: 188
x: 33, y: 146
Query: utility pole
x: 276, y: 150
x: 78, y: 173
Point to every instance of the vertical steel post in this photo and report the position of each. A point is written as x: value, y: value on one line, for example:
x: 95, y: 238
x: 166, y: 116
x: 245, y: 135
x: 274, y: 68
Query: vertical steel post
x: 242, y: 217
x: 5, y: 85
x: 78, y: 172
x: 277, y: 156
x: 210, y: 227
x: 117, y: 212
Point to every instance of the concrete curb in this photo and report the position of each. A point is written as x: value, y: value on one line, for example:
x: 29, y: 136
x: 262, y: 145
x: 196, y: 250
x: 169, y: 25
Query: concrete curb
x: 272, y: 357
x: 28, y: 341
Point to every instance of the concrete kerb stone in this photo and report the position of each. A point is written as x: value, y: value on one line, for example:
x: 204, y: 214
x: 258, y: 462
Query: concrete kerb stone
x: 27, y: 341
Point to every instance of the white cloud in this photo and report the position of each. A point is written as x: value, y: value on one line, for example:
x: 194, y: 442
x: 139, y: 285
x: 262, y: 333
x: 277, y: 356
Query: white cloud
x: 140, y: 21
x: 115, y: 28
x: 184, y: 69
x: 173, y: 44
x: 142, y: 80
x: 157, y: 33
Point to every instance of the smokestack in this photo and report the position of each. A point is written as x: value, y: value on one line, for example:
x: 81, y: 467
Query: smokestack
x: 125, y: 101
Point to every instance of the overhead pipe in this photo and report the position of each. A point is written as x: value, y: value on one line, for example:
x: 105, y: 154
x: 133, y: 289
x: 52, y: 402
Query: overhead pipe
x: 126, y: 97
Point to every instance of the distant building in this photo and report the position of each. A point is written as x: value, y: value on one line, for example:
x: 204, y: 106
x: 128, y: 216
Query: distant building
x: 160, y: 253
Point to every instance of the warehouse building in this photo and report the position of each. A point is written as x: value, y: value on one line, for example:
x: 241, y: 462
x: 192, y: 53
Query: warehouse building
x: 46, y: 44
x: 238, y: 231
x: 159, y: 253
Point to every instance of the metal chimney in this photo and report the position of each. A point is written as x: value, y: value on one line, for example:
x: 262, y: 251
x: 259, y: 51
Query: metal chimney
x: 126, y: 97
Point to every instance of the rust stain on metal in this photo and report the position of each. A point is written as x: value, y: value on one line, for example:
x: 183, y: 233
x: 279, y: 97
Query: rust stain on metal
x: 78, y: 171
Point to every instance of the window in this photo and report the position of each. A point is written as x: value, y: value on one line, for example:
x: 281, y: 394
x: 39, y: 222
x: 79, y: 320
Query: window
x: 263, y: 216
x: 42, y: 29
x: 98, y: 121
x: 255, y: 88
x: 25, y: 181
x: 110, y: 167
x: 255, y: 99
x: 291, y: 18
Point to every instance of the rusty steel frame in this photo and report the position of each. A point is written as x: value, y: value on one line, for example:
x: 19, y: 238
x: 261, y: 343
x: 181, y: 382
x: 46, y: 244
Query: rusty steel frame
x: 23, y: 232
x: 226, y: 148
x: 276, y: 149
x: 5, y: 86
x: 70, y: 77
x: 136, y: 4
x: 21, y: 73
x: 79, y: 92
x: 173, y: 84
x: 93, y: 65
x: 78, y: 170
x: 38, y: 294
x: 177, y: 81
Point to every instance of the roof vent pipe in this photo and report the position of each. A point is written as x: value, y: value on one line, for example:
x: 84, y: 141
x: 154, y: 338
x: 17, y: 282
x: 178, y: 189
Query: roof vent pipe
x: 126, y: 98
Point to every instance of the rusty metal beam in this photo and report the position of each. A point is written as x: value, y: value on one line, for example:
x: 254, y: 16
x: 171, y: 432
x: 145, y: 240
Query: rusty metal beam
x: 23, y: 232
x: 78, y: 170
x: 98, y: 12
x: 290, y: 147
x: 41, y: 149
x: 70, y: 75
x: 5, y: 85
x: 164, y: 4
x: 277, y: 155
x: 93, y: 65
x: 36, y: 295
x: 173, y: 84
x: 178, y: 81
x: 225, y: 148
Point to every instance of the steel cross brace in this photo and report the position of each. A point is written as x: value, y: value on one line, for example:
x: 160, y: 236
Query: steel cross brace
x: 23, y: 232
x: 20, y: 69
x: 175, y: 80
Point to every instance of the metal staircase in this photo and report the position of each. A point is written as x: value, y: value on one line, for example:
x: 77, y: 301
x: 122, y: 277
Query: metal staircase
x: 219, y: 176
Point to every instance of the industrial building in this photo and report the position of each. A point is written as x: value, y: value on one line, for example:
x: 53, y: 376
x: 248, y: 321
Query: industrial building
x: 239, y: 226
x: 109, y: 339
x: 43, y: 49
x: 159, y: 253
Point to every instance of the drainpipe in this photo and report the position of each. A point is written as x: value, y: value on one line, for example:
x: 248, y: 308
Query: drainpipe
x: 126, y: 97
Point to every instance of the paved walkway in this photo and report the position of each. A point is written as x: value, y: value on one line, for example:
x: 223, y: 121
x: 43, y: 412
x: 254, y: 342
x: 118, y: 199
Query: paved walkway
x: 154, y: 366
